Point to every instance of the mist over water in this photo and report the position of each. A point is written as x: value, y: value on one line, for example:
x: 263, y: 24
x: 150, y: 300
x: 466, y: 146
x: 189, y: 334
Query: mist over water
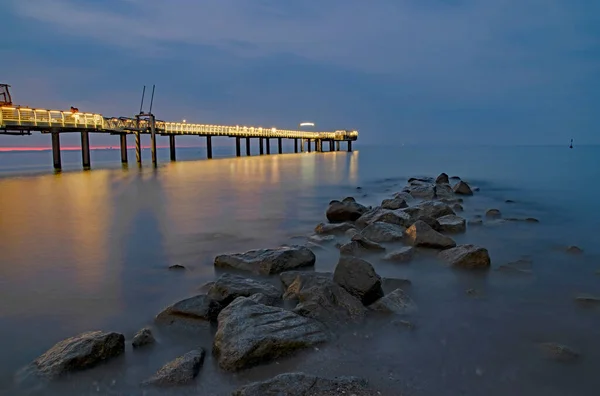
x: 86, y: 251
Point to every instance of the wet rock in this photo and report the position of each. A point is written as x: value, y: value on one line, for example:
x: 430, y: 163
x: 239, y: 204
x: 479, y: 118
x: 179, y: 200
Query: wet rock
x: 260, y: 298
x: 404, y: 196
x: 423, y: 191
x: 143, y: 337
x: 390, y: 284
x: 430, y: 221
x: 359, y: 245
x: 180, y: 371
x: 359, y: 278
x: 587, y: 300
x: 442, y: 179
x: 493, y: 214
x: 294, y: 282
x: 475, y: 222
x: 559, y: 352
x: 77, y: 353
x: 444, y: 191
x: 397, y: 302
x: 394, y: 203
x: 301, y: 384
x: 228, y: 287
x: 574, y: 250
x: 333, y: 228
x: 521, y: 266
x: 351, y: 232
x: 421, y: 180
x: 176, y: 267
x: 531, y: 220
x: 321, y: 238
x: 457, y: 207
x: 454, y: 178
x: 399, y: 217
x: 346, y: 210
x: 509, y: 201
x: 422, y: 235
x: 251, y: 333
x: 191, y: 311
x: 383, y: 232
x: 401, y: 255
x: 462, y: 188
x: 467, y: 256
x: 452, y: 224
x: 330, y: 304
x: 435, y: 209
x: 268, y: 261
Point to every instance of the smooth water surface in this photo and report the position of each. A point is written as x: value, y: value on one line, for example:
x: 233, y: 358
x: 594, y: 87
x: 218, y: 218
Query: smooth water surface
x: 89, y: 250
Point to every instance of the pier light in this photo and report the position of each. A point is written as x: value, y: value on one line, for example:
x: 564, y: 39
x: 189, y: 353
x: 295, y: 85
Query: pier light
x: 183, y: 120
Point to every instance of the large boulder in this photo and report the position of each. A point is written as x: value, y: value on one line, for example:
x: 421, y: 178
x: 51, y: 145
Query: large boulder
x: 333, y: 228
x: 301, y: 384
x: 180, y: 371
x: 462, y: 188
x: 394, y: 203
x: 422, y: 235
x: 190, y: 312
x: 383, y: 232
x: 330, y: 304
x: 442, y: 179
x: 435, y: 209
x: 268, y: 261
x: 467, y: 256
x: 294, y: 282
x: 346, y: 210
x: 452, y: 224
x: 251, y: 333
x: 76, y: 353
x: 444, y: 191
x: 397, y: 302
x: 359, y: 278
x: 228, y: 287
x: 403, y: 254
x: 421, y: 190
x: 398, y: 217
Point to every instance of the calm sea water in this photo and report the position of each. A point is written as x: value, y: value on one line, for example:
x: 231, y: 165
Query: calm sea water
x: 89, y: 250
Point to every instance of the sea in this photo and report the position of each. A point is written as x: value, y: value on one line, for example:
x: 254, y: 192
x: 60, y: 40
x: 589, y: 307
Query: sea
x: 90, y: 250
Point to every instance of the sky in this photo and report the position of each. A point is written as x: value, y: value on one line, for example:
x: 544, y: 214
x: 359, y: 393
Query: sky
x: 451, y: 72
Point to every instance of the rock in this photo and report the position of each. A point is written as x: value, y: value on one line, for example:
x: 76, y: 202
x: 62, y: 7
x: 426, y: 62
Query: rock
x: 402, y: 255
x: 422, y: 235
x: 176, y: 267
x: 228, y: 287
x: 393, y: 204
x: 452, y: 224
x: 251, y: 333
x: 531, y: 220
x: 442, y: 179
x: 301, y: 384
x: 430, y: 221
x: 454, y: 178
x: 333, y: 228
x: 359, y: 278
x: 462, y: 188
x: 399, y: 217
x: 383, y: 232
x: 404, y: 196
x: 457, y: 207
x: 143, y: 337
x: 475, y: 222
x: 321, y: 238
x: 493, y: 214
x: 574, y: 250
x: 444, y: 191
x: 509, y: 201
x: 77, y: 353
x: 351, y: 232
x: 397, y: 302
x: 365, y: 243
x: 180, y: 371
x: 330, y: 304
x: 521, y: 266
x: 467, y: 256
x: 260, y: 298
x: 435, y: 209
x: 554, y: 351
x: 451, y: 201
x: 423, y: 191
x: 390, y: 284
x: 294, y: 282
x: 346, y: 210
x: 587, y: 299
x: 190, y: 312
x: 420, y: 180
x: 268, y: 261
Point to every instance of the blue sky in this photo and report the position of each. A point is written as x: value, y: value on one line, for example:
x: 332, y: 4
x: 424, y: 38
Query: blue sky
x: 407, y: 71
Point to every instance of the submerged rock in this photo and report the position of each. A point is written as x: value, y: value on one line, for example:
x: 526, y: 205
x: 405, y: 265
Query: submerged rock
x: 383, y: 232
x: 521, y: 267
x: 390, y: 284
x: 559, y: 352
x: 394, y: 203
x: 467, y: 256
x: 442, y: 179
x: 268, y: 261
x: 143, y: 337
x: 228, y: 287
x: 333, y: 228
x: 587, y: 299
x: 77, y: 353
x: 301, y: 384
x: 180, y: 371
x: 176, y: 267
x: 193, y: 311
x: 493, y: 214
x: 403, y: 254
x: 251, y: 333
x: 397, y: 302
x: 346, y: 210
x: 462, y: 188
x: 359, y: 278
x: 574, y: 250
x: 452, y: 224
x: 422, y: 235
x: 475, y: 222
x: 457, y: 207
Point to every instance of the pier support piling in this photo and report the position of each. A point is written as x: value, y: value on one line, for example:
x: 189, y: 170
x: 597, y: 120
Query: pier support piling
x: 153, y: 145
x: 172, y: 147
x: 238, y: 148
x: 279, y: 146
x: 138, y: 148
x: 301, y: 145
x: 267, y: 140
x: 295, y: 145
x: 56, y: 151
x: 349, y: 146
x: 331, y: 145
x: 260, y: 146
x: 85, y: 150
x: 248, y: 146
x: 309, y: 148
x: 123, y: 139
x: 337, y: 146
x: 209, y: 147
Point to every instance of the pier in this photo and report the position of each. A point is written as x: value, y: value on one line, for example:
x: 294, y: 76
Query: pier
x: 16, y: 120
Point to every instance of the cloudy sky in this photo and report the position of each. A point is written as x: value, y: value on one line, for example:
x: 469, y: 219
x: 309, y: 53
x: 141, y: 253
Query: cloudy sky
x: 409, y: 71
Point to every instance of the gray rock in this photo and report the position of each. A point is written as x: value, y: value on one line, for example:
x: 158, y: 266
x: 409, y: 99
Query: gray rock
x: 383, y: 232
x: 422, y: 235
x: 397, y: 302
x: 452, y: 224
x: 462, y: 188
x: 251, y: 333
x: 475, y: 222
x: 587, y: 299
x: 301, y: 384
x: 333, y: 228
x: 442, y: 179
x: 378, y: 214
x: 346, y: 210
x: 404, y: 196
x: 574, y: 250
x: 559, y: 352
x: 493, y: 214
x: 321, y: 238
x: 430, y: 221
x: 77, y: 353
x: 403, y: 254
x: 260, y: 298
x: 390, y: 284
x: 467, y: 256
x: 359, y: 245
x: 444, y: 191
x: 176, y: 267
x: 351, y: 232
x: 359, y: 278
x: 330, y: 304
x: 457, y: 207
x: 294, y: 282
x: 228, y: 287
x: 519, y: 267
x: 180, y: 371
x: 393, y: 204
x: 268, y: 261
x: 423, y: 191
x: 190, y: 312
x: 435, y: 209
x: 143, y: 337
